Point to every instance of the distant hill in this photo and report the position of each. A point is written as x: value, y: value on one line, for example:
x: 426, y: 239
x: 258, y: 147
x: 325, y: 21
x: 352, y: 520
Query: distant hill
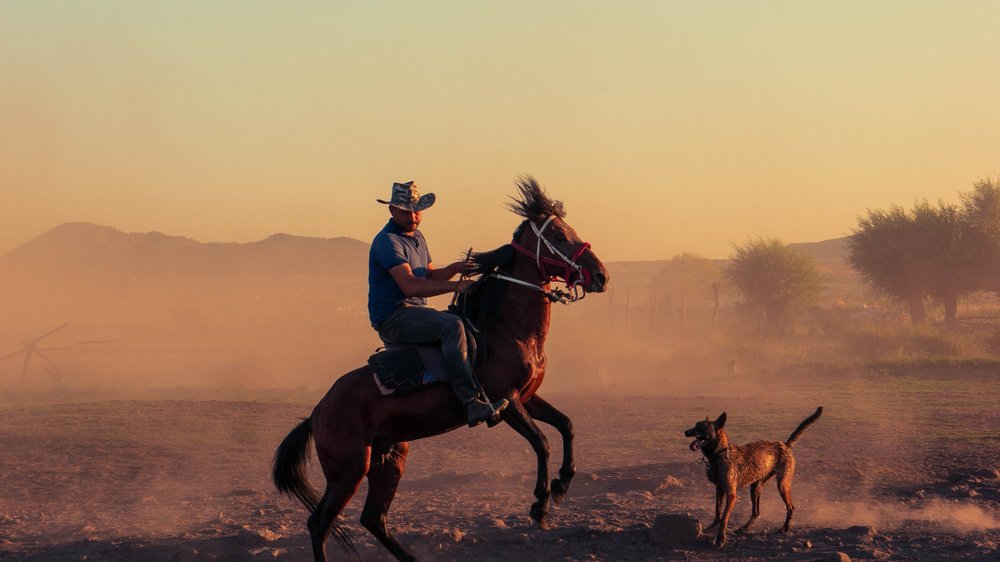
x: 183, y: 310
x: 840, y: 281
x: 90, y: 251
x: 835, y: 249
x: 146, y: 281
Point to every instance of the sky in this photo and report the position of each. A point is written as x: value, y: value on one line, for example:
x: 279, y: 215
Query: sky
x: 664, y: 126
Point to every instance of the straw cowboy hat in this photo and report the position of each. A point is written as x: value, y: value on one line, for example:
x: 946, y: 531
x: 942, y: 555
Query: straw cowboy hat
x: 405, y: 196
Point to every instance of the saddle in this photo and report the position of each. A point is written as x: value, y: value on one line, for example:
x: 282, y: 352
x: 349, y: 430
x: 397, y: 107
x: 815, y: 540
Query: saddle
x: 401, y: 368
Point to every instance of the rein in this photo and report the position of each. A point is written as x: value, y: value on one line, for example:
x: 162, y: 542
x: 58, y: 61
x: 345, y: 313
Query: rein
x: 573, y: 275
x: 554, y: 295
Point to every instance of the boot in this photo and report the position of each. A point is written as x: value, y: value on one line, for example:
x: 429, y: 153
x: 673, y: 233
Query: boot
x: 466, y: 388
x: 478, y: 411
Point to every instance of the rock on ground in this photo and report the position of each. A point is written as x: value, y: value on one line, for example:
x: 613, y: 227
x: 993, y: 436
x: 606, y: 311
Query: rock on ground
x: 674, y: 529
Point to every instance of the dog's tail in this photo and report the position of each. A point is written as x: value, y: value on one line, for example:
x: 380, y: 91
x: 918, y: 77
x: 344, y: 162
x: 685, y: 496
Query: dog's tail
x: 802, y: 426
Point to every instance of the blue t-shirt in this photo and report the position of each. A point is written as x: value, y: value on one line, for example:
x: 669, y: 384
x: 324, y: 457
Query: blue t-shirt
x: 391, y: 248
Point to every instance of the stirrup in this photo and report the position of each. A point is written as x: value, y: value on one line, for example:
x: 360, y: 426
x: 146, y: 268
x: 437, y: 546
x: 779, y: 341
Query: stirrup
x: 492, y: 416
x: 496, y: 419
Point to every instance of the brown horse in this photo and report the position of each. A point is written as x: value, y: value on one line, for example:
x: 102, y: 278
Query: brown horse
x: 359, y: 432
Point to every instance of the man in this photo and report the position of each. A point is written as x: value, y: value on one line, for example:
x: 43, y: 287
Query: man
x: 400, y: 277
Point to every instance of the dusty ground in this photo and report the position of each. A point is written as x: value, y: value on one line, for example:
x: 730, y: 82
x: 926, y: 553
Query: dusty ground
x: 899, y: 467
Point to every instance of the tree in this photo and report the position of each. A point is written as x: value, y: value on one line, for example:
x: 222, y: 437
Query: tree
x: 773, y: 277
x: 884, y: 250
x: 947, y: 256
x: 687, y: 277
x: 943, y: 252
x: 981, y: 216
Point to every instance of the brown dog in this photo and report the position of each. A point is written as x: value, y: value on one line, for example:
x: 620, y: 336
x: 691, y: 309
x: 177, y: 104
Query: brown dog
x: 731, y: 467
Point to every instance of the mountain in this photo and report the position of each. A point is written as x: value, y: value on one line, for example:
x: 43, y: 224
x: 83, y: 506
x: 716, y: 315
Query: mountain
x: 840, y: 282
x: 835, y: 249
x: 181, y: 311
x: 90, y: 251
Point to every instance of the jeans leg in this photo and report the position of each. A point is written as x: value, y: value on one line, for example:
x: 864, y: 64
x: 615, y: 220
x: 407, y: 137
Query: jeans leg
x: 417, y: 324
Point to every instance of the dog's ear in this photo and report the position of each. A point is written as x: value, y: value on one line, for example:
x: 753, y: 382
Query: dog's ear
x: 720, y: 421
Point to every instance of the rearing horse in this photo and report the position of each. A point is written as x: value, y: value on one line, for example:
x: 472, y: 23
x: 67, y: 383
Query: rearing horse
x: 359, y: 432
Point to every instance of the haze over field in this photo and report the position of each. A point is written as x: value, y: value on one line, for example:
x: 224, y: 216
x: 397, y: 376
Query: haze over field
x: 204, y: 354
x: 280, y: 312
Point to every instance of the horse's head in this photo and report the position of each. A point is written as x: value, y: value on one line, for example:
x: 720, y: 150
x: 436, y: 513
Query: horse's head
x: 557, y: 249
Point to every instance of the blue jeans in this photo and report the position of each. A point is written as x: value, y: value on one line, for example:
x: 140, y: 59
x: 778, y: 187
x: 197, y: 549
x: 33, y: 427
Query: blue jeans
x: 421, y: 324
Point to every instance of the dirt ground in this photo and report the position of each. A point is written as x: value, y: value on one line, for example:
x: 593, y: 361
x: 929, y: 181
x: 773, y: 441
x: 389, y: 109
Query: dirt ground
x: 900, y: 467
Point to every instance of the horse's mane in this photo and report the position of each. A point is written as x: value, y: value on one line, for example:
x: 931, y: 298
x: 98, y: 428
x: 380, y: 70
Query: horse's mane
x: 484, y: 303
x: 534, y: 202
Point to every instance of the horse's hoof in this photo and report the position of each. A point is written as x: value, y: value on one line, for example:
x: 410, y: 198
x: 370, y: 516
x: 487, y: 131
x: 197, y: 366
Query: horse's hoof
x: 538, y: 513
x: 558, y: 490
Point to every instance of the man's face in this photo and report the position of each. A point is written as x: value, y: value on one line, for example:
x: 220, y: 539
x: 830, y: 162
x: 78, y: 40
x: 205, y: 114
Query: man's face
x: 407, y: 221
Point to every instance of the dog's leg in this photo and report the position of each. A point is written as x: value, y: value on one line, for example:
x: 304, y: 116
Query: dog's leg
x: 755, y: 490
x: 785, y: 489
x: 720, y: 496
x: 720, y: 539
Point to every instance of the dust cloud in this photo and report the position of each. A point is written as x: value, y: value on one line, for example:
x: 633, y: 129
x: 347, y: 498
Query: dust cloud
x: 172, y: 314
x: 956, y: 517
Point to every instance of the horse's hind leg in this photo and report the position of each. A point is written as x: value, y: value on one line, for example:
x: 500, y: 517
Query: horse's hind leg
x: 383, y: 476
x: 517, y: 417
x: 342, y: 480
x: 547, y: 413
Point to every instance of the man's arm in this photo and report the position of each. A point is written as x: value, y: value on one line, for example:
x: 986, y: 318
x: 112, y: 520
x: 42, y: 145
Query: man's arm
x: 413, y: 286
x: 448, y: 271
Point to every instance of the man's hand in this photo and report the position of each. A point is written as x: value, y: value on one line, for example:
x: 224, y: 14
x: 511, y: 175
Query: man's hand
x: 464, y: 285
x: 458, y: 268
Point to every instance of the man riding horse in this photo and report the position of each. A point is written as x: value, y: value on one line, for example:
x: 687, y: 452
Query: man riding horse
x: 360, y: 432
x: 400, y: 277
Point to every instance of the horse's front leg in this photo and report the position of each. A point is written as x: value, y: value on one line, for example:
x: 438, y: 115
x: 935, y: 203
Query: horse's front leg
x: 547, y: 413
x: 518, y: 418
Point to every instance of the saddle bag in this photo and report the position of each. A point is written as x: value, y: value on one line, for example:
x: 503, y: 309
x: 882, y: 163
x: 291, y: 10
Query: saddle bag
x: 397, y: 371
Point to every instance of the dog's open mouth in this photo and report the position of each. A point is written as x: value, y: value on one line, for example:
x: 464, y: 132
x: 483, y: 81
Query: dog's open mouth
x: 697, y: 444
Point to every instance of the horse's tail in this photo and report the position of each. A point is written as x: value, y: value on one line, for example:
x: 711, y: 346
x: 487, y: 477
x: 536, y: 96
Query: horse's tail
x: 802, y: 426
x: 290, y: 461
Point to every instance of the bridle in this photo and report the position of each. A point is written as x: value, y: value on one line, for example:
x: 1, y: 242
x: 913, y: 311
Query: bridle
x: 573, y: 274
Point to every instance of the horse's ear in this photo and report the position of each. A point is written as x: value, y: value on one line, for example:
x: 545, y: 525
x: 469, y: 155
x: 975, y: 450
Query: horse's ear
x: 720, y: 421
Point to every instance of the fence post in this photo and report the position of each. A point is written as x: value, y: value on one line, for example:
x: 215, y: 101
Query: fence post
x: 628, y: 308
x: 715, y: 309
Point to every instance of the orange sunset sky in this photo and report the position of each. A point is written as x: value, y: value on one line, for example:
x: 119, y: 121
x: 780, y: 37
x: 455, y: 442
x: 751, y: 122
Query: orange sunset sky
x: 665, y: 126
